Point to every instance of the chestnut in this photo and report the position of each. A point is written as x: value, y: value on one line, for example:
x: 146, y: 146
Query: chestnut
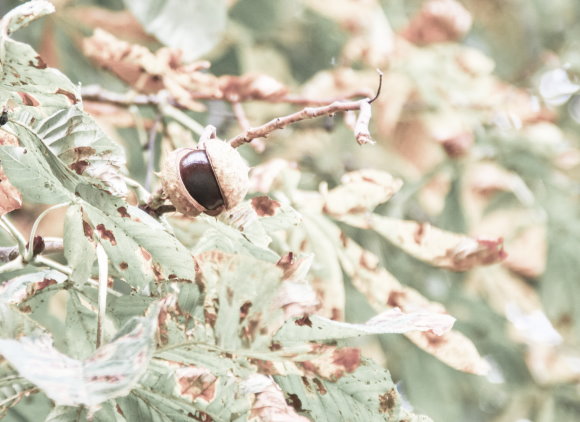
x: 210, y: 178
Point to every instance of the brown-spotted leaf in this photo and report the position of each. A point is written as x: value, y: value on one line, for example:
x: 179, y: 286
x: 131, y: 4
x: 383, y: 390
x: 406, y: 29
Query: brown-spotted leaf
x: 361, y: 191
x: 383, y: 291
x: 269, y: 403
x: 437, y: 247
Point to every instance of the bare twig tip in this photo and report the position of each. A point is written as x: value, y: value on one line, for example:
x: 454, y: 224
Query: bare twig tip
x: 379, y: 88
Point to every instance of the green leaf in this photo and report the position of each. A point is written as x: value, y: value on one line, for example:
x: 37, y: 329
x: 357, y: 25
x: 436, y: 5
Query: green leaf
x: 74, y: 137
x: 368, y: 394
x: 81, y: 327
x: 19, y: 288
x: 194, y: 26
x: 79, y: 250
x: 112, y: 371
x: 27, y: 81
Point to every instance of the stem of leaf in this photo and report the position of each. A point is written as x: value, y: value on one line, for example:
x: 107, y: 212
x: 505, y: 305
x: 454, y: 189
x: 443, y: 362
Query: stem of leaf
x: 30, y: 252
x: 15, y: 264
x: 181, y: 117
x: 103, y: 263
x: 7, y: 225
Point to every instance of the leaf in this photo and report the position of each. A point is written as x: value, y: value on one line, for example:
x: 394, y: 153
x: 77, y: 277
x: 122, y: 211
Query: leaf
x: 74, y: 137
x: 240, y: 300
x: 27, y: 81
x: 437, y: 247
x: 368, y: 394
x: 81, y: 327
x: 382, y: 290
x: 316, y: 328
x: 138, y: 246
x: 112, y: 371
x: 361, y: 191
x: 19, y: 289
x: 194, y: 26
x: 21, y: 16
x: 79, y: 249
x: 269, y: 403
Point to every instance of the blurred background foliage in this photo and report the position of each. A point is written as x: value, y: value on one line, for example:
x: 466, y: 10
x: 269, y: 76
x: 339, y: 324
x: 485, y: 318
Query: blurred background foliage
x: 466, y: 119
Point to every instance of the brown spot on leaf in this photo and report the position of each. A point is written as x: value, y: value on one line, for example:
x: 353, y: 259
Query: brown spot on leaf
x: 320, y: 387
x: 295, y: 402
x: 210, y: 317
x: 44, y: 283
x: 196, y: 383
x: 307, y: 384
x: 336, y: 314
x: 348, y: 358
x: 388, y: 401
x: 396, y: 298
x: 71, y: 97
x: 420, y: 233
x: 106, y: 234
x: 40, y: 64
x: 244, y: 310
x: 275, y: 346
x: 28, y: 100
x: 305, y: 320
x: 433, y: 339
x: 119, y: 410
x: 123, y: 265
x: 265, y: 206
x: 157, y: 271
x: 88, y: 230
x: 123, y: 212
x: 79, y: 167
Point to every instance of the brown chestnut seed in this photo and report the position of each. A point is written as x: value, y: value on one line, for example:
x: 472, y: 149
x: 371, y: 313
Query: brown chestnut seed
x: 199, y: 179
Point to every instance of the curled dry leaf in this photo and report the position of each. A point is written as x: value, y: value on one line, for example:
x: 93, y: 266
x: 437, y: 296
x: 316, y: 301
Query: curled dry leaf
x: 361, y: 191
x: 438, y: 21
x: 269, y: 404
x: 165, y: 69
x: 453, y: 251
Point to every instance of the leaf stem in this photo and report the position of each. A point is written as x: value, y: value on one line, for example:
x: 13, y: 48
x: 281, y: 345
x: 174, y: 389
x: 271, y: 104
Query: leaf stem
x: 103, y: 263
x: 30, y: 252
x: 7, y: 225
x: 182, y: 118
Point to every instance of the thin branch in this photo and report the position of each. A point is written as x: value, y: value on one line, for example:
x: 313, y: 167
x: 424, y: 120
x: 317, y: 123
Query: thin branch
x: 182, y: 118
x: 97, y: 93
x: 30, y: 252
x: 7, y: 225
x: 379, y: 88
x: 281, y: 122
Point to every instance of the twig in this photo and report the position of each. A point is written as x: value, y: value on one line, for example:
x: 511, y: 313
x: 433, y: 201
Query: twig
x: 97, y: 93
x: 281, y: 122
x: 30, y: 252
x: 182, y: 118
x: 240, y: 114
x: 362, y: 134
x: 103, y: 263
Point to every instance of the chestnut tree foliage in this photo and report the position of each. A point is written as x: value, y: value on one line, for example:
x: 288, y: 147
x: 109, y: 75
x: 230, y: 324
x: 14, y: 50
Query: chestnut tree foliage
x: 406, y: 247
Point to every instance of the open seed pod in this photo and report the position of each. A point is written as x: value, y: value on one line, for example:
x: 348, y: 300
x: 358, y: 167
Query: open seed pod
x: 210, y: 178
